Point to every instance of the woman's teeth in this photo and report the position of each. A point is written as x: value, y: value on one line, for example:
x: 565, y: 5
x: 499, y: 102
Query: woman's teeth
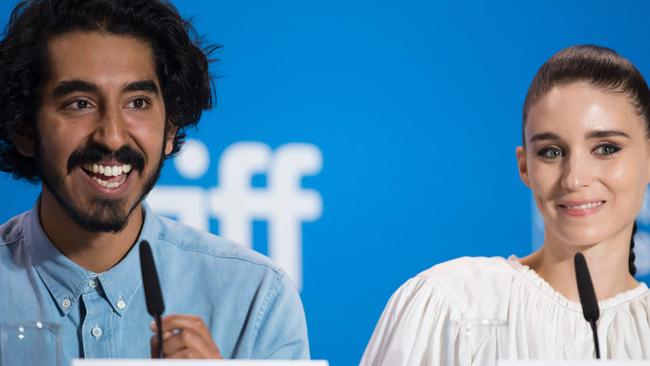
x: 107, y: 170
x: 585, y: 206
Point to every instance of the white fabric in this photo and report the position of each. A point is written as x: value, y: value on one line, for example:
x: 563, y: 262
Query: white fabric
x: 541, y: 323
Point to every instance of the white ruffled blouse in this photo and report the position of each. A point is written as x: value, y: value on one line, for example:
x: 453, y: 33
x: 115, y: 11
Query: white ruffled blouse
x: 541, y: 323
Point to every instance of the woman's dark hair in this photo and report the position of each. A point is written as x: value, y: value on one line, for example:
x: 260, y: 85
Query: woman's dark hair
x: 601, y: 67
x: 630, y: 261
x: 181, y: 64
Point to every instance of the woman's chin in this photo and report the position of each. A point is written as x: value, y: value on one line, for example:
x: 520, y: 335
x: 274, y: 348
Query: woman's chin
x: 583, y: 238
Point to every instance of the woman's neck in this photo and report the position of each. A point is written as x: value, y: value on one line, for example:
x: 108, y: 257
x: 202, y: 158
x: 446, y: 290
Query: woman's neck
x: 607, y: 261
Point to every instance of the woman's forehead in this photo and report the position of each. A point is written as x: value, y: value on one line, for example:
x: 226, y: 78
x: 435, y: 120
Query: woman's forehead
x: 578, y: 108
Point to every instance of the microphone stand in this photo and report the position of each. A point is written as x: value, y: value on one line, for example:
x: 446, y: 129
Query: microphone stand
x: 588, y: 299
x: 152, y: 293
x: 159, y: 334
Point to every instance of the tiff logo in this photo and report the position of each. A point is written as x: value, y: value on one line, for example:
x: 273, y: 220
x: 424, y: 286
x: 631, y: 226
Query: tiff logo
x: 283, y: 203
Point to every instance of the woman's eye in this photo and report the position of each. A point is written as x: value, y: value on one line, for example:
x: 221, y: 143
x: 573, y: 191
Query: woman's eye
x: 606, y: 149
x: 550, y: 153
x: 139, y: 103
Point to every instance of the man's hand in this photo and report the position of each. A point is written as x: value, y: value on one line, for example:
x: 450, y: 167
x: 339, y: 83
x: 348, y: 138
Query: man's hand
x: 185, y: 336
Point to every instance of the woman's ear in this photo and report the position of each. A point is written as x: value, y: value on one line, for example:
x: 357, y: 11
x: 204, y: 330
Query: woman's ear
x: 520, y: 152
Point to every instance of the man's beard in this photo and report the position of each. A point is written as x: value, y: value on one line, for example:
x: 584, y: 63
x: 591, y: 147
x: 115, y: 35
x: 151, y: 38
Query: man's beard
x: 100, y: 214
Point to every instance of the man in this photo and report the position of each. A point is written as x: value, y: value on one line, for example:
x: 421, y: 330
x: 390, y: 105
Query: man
x: 95, y: 95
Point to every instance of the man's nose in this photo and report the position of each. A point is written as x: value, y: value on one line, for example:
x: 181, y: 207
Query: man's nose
x: 110, y: 130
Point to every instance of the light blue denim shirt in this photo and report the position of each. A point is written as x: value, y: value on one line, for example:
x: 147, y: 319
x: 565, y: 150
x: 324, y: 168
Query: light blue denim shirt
x: 249, y: 305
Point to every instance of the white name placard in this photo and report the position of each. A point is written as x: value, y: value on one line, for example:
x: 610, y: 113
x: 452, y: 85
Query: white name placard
x: 98, y: 362
x: 572, y: 363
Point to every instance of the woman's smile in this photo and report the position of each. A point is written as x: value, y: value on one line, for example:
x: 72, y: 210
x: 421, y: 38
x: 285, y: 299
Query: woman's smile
x: 580, y: 208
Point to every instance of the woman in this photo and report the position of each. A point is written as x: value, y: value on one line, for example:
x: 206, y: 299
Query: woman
x: 586, y: 158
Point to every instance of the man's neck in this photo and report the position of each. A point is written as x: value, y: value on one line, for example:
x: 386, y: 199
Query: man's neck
x: 96, y: 252
x: 608, y: 266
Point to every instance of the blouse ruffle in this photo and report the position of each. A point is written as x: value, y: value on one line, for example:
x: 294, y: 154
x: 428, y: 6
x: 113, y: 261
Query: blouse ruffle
x: 541, y: 323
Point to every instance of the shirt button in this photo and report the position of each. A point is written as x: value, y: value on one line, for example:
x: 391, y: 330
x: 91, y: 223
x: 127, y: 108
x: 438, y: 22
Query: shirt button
x: 96, y: 331
x: 66, y: 303
x: 92, y: 283
x: 121, y: 304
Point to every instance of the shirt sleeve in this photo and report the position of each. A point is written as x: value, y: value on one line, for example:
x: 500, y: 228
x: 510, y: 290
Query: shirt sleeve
x: 281, y: 329
x: 411, y: 330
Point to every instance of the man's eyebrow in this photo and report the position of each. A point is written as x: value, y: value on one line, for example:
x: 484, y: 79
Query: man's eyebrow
x: 142, y: 85
x: 606, y: 133
x: 71, y: 86
x: 544, y: 136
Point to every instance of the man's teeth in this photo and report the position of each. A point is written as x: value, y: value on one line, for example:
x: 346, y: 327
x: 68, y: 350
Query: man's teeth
x: 586, y: 206
x: 108, y: 170
x: 106, y: 184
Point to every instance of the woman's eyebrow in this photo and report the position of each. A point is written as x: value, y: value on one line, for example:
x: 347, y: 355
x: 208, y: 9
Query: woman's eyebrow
x: 544, y: 136
x: 605, y: 133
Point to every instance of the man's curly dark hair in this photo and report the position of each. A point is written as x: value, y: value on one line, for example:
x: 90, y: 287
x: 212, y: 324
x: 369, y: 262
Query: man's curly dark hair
x: 181, y: 63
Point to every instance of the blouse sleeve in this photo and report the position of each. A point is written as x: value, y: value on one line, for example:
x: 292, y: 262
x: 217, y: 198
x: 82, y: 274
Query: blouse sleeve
x: 411, y: 330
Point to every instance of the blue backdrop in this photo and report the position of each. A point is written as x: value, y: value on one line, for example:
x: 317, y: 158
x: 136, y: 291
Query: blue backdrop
x: 384, y: 130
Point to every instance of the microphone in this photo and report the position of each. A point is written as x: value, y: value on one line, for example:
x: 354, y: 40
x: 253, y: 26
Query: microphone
x: 152, y: 293
x: 587, y: 296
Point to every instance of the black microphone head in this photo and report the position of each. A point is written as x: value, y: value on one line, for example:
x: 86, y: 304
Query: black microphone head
x: 586, y: 289
x: 152, y: 293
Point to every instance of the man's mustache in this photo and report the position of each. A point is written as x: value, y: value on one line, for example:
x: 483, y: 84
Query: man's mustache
x: 95, y: 153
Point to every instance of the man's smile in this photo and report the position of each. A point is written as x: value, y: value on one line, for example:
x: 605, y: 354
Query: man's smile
x: 109, y: 176
x: 108, y: 170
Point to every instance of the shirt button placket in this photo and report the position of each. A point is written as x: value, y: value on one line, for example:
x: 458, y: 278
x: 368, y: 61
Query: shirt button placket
x: 97, y: 325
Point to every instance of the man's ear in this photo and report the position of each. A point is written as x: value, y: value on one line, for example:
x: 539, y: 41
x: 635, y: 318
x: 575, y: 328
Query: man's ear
x: 24, y: 143
x: 169, y: 138
x: 521, y: 164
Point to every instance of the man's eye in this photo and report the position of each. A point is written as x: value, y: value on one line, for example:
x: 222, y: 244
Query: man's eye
x: 139, y: 103
x: 79, y: 104
x: 550, y: 153
x: 606, y: 149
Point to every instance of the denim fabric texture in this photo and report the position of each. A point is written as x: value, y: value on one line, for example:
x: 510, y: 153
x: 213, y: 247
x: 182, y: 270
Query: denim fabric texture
x: 250, y: 306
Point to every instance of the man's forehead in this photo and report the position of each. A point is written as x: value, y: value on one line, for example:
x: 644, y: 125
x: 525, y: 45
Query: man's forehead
x: 99, y: 57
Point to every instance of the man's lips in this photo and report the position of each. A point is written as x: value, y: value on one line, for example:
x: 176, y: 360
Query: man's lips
x: 581, y: 208
x: 108, y: 175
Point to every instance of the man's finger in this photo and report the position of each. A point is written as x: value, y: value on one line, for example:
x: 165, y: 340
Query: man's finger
x: 185, y: 353
x: 190, y: 340
x: 154, y: 342
x: 182, y: 332
x: 181, y: 322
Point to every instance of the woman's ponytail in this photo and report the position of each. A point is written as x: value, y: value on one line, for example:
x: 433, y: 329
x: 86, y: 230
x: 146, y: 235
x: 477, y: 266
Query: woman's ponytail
x: 630, y: 262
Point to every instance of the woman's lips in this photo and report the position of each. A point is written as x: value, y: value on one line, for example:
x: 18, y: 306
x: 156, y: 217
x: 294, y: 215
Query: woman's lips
x: 581, y: 208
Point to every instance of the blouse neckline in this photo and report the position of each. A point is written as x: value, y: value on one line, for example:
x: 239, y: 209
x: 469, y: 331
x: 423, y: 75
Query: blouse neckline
x: 545, y: 287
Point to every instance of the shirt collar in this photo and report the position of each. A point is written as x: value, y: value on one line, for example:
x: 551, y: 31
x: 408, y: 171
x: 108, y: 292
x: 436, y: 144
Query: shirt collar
x: 66, y: 280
